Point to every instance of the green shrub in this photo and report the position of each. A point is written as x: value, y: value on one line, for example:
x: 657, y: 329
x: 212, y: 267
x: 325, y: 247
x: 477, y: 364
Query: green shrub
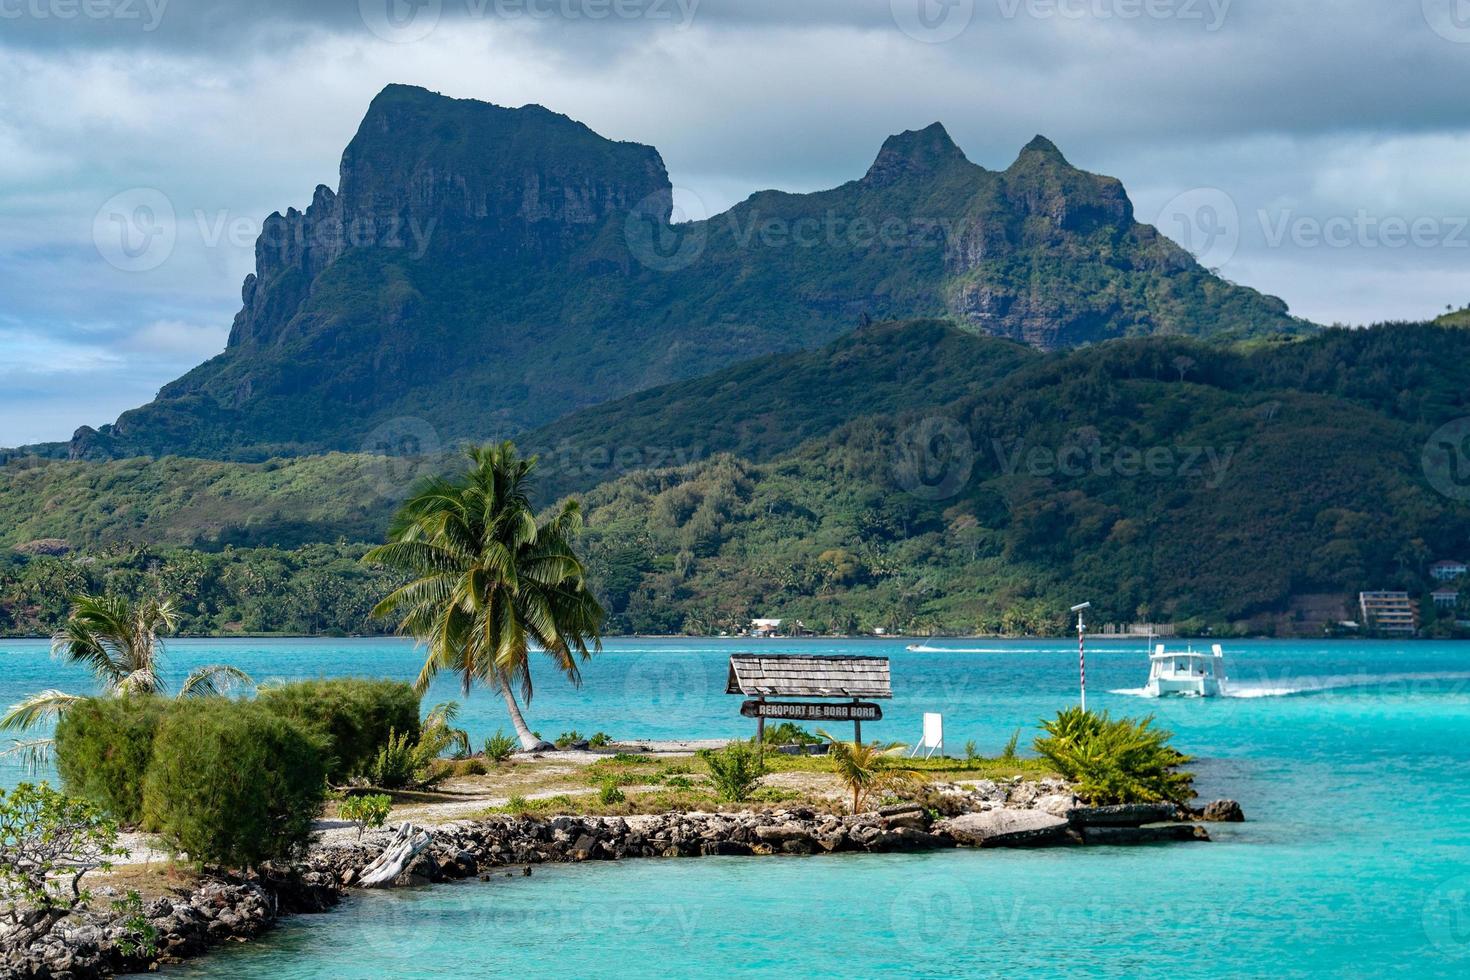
x: 1009, y: 753
x: 567, y: 738
x: 789, y: 733
x: 103, y: 746
x: 1110, y: 762
x: 500, y: 747
x: 610, y: 793
x: 233, y: 783
x: 599, y: 740
x: 396, y: 762
x: 734, y: 770
x: 366, y: 811
x: 405, y: 763
x: 48, y: 843
x: 354, y: 715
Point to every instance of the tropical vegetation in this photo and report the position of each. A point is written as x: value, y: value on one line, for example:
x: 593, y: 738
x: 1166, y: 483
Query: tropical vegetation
x: 352, y: 716
x: 48, y: 844
x: 734, y: 770
x: 713, y: 501
x: 867, y: 768
x: 232, y: 783
x: 367, y: 811
x: 119, y: 641
x: 489, y: 580
x: 1110, y: 761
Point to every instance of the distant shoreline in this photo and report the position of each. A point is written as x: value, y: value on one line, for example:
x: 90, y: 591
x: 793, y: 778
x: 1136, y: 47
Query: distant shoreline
x: 1091, y: 637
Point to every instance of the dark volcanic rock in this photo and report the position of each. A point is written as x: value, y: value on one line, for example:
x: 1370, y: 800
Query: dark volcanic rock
x: 1125, y: 815
x: 1158, y: 834
x: 1223, y: 811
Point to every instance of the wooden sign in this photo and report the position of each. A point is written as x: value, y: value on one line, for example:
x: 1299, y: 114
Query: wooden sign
x: 813, y: 711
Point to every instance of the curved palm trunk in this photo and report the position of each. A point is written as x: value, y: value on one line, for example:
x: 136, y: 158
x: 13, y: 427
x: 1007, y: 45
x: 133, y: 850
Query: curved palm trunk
x: 529, y: 742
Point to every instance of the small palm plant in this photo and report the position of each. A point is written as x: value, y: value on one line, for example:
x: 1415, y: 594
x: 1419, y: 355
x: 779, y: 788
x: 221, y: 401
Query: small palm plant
x: 866, y: 768
x: 1109, y: 761
x: 119, y: 641
x: 439, y: 730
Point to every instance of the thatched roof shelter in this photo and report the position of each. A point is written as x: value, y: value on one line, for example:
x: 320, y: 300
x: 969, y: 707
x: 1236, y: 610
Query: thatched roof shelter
x: 799, y: 676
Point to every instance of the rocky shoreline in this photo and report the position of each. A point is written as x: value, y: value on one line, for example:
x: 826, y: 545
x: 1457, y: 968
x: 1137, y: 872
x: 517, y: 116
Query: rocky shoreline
x: 230, y: 908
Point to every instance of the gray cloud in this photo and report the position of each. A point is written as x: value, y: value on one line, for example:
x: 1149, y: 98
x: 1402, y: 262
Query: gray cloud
x: 1302, y: 118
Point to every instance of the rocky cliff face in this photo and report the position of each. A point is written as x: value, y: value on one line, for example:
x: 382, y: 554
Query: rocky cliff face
x: 429, y: 174
x: 481, y: 270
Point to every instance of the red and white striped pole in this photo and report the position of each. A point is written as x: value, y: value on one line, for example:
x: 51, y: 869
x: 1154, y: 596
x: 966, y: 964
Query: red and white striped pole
x: 1081, y: 652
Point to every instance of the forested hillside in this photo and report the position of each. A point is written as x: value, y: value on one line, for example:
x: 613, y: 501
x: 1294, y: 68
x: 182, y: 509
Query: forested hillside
x: 909, y: 476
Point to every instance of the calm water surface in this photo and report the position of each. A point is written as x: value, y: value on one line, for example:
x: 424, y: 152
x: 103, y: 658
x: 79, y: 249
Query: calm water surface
x: 1351, y: 759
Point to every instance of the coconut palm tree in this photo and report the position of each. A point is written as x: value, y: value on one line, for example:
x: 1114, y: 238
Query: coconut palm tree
x: 489, y: 580
x: 119, y: 641
x: 866, y: 768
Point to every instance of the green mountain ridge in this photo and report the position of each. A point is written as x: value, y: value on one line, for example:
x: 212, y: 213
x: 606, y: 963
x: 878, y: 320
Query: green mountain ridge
x: 1165, y: 478
x: 482, y: 270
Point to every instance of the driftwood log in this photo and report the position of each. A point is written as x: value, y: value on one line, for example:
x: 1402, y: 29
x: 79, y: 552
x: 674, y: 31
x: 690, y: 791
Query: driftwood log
x: 407, y: 844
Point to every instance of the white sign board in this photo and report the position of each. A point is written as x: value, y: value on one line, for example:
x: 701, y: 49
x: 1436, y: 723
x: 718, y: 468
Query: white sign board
x: 933, y: 730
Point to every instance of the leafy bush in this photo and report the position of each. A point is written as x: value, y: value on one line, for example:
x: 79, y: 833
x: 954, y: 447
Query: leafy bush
x: 139, y: 936
x: 233, y: 783
x: 789, y: 733
x: 500, y: 747
x: 599, y: 740
x: 396, y: 763
x: 567, y: 738
x: 1115, y: 761
x: 734, y: 770
x: 48, y: 843
x: 103, y: 747
x: 354, y: 715
x: 366, y: 811
x: 404, y: 763
x: 609, y: 793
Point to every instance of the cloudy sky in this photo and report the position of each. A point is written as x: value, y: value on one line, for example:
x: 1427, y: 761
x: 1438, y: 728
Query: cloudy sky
x: 1314, y: 150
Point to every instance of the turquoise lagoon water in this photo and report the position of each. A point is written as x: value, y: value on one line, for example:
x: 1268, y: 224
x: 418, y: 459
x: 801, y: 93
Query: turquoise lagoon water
x: 1352, y: 760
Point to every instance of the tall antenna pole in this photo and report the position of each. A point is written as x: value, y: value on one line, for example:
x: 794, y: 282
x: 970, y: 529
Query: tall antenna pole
x: 1082, y: 651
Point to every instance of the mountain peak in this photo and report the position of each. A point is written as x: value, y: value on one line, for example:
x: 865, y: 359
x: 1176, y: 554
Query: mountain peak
x: 913, y: 152
x: 1040, y: 150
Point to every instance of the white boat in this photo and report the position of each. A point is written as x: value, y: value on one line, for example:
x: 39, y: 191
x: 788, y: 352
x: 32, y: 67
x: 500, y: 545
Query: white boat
x: 1188, y: 674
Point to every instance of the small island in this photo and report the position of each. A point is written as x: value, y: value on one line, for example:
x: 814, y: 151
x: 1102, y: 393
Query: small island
x: 241, y: 809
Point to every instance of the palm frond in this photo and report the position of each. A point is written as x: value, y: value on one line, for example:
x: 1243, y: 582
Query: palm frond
x: 34, y: 753
x: 213, y: 681
x: 38, y: 708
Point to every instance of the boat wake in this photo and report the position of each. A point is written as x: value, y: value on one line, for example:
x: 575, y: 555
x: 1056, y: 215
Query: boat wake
x: 1287, y: 687
x: 924, y: 648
